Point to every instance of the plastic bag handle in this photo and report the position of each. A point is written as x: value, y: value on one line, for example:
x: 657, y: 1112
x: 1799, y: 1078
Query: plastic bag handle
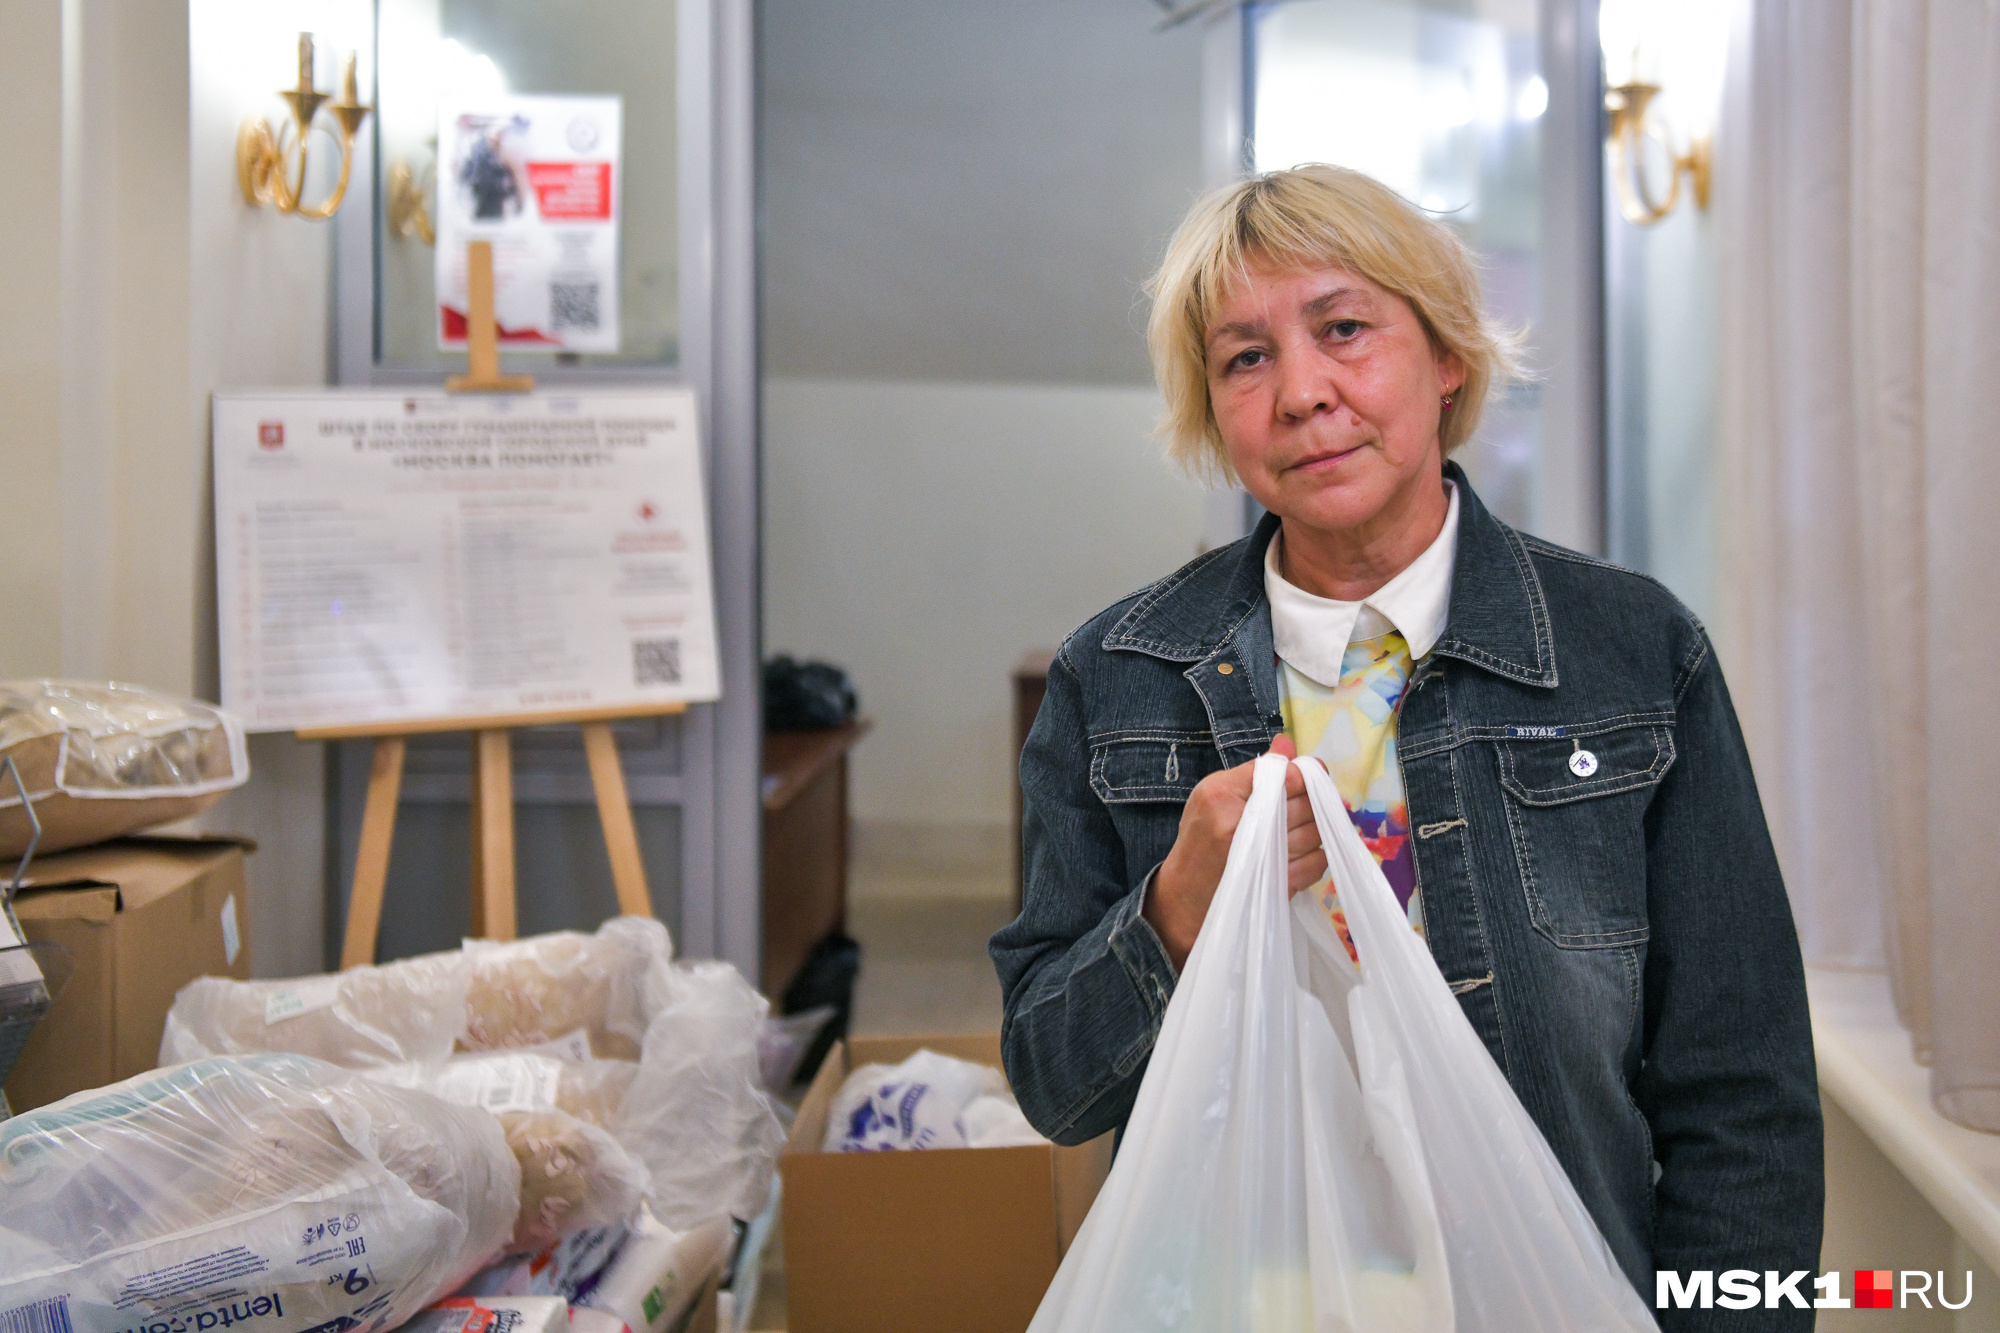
x: 1373, y: 917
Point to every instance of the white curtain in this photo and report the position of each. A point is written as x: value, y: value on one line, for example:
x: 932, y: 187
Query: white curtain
x: 1858, y: 188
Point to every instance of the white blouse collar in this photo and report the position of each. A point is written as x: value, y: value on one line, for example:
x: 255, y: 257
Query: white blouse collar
x: 1311, y: 633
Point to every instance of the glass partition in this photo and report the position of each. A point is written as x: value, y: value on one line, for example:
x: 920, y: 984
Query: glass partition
x: 441, y: 50
x: 1444, y: 107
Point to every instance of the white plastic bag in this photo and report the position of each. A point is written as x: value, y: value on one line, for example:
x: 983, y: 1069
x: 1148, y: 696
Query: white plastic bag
x: 696, y: 1113
x: 1319, y: 1149
x: 269, y: 1190
x: 927, y: 1101
x: 916, y: 1104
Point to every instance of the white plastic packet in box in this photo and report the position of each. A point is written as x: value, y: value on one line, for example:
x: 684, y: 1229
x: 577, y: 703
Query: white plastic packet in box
x: 927, y: 1101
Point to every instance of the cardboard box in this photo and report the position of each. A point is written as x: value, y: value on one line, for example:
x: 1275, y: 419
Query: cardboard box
x: 141, y: 917
x: 965, y: 1239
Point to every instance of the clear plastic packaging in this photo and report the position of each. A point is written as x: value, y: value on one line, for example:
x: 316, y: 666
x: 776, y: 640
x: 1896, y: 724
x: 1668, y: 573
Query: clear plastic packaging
x: 574, y: 1175
x: 595, y: 993
x: 686, y: 1100
x: 607, y: 985
x: 696, y: 1113
x: 100, y: 759
x: 1317, y: 1146
x: 270, y: 1189
x: 364, y: 1017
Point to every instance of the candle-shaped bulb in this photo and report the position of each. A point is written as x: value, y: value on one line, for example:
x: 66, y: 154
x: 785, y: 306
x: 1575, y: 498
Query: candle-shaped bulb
x: 349, y: 94
x: 305, y: 62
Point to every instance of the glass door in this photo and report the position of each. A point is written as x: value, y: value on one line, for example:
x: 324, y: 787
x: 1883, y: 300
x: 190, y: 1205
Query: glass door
x: 1448, y: 103
x: 686, y: 302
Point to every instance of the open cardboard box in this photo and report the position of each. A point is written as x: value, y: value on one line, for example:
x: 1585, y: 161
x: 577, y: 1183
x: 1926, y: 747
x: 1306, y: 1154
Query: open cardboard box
x: 965, y: 1239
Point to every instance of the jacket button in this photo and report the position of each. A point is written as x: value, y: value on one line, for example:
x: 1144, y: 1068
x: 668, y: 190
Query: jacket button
x: 1224, y: 669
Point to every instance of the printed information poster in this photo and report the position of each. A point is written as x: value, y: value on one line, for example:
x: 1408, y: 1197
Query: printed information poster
x: 539, y: 178
x: 387, y: 557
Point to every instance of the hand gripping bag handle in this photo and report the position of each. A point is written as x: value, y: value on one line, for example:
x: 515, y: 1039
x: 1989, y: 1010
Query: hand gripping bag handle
x: 1257, y: 1188
x: 1523, y: 1251
x: 1202, y: 1223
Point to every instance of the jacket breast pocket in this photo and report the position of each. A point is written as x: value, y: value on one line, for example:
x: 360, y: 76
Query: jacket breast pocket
x: 1576, y: 811
x: 1136, y: 766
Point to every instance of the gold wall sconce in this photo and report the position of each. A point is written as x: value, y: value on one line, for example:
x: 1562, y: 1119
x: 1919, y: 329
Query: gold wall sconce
x: 1626, y: 134
x: 408, y: 213
x: 264, y: 157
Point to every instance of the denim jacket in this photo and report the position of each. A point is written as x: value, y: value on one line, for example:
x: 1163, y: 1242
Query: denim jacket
x: 1618, y: 936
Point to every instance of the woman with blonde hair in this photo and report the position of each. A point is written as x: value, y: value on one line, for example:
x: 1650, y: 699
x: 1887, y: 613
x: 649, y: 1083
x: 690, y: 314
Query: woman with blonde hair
x: 1537, y: 746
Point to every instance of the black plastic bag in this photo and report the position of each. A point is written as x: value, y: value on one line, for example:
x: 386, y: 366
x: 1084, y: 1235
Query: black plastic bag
x: 825, y: 978
x: 806, y: 696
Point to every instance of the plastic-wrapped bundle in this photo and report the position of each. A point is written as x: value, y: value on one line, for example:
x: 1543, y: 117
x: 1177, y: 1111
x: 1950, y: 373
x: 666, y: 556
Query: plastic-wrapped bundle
x: 360, y: 1018
x: 599, y: 991
x: 574, y: 1174
x: 696, y: 1113
x: 692, y: 1109
x: 607, y: 986
x: 101, y: 759
x: 271, y: 1190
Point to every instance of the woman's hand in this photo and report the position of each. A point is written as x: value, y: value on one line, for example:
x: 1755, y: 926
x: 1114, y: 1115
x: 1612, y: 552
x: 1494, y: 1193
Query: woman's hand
x: 1186, y: 882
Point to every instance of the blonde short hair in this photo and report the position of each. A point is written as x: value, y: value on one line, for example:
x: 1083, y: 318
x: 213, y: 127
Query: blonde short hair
x: 1314, y: 216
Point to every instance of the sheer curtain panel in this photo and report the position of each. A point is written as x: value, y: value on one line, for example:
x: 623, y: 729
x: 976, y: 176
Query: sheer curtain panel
x: 1859, y: 178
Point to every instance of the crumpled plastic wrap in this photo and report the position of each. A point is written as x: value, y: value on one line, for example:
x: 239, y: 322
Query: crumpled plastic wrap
x: 696, y: 1113
x: 100, y: 759
x: 607, y: 985
x: 269, y: 1189
x: 411, y: 1010
x: 574, y: 1174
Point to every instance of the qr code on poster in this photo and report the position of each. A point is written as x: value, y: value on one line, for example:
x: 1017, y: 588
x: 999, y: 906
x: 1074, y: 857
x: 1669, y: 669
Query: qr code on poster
x: 573, y: 305
x: 656, y: 662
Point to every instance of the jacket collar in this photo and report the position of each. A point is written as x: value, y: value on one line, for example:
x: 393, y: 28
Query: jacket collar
x: 1499, y: 618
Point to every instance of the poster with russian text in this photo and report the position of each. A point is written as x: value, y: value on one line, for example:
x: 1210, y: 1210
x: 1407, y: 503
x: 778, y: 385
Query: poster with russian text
x: 539, y: 178
x: 386, y: 557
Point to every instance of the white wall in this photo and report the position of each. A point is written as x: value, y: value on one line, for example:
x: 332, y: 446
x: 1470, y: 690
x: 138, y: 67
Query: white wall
x: 961, y: 203
x: 925, y: 535
x: 151, y: 284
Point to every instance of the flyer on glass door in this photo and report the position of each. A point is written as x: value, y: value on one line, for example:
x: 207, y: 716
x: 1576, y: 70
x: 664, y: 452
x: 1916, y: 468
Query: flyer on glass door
x: 540, y: 178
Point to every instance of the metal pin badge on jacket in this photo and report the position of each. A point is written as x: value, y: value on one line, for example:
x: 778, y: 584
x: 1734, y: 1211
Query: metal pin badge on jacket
x: 1582, y: 763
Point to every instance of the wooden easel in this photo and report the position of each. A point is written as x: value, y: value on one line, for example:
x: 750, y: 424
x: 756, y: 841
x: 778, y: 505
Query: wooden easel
x: 492, y: 738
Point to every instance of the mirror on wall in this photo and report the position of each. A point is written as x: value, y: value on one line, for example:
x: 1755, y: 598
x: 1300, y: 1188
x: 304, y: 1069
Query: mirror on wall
x: 451, y: 52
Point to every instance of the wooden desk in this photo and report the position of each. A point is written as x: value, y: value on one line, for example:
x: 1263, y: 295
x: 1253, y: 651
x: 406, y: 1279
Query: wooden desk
x: 805, y: 844
x: 1031, y: 682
